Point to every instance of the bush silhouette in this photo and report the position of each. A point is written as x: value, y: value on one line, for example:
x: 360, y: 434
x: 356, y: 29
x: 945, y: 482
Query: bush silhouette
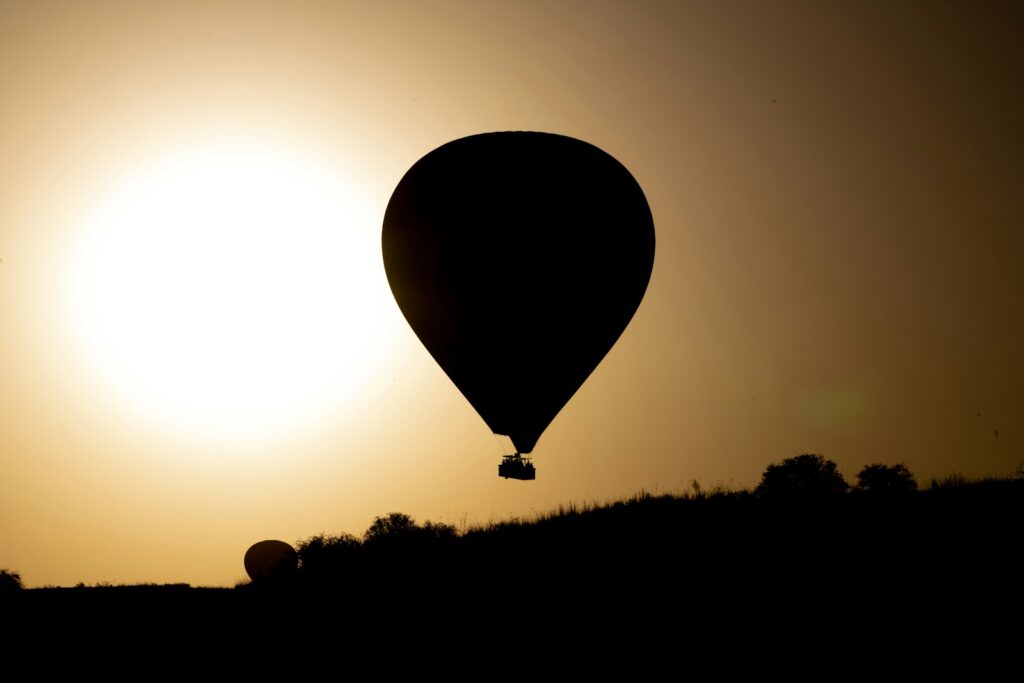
x: 400, y: 528
x: 802, y: 477
x: 437, y: 531
x: 391, y: 528
x: 323, y: 555
x: 10, y: 581
x: 886, y: 480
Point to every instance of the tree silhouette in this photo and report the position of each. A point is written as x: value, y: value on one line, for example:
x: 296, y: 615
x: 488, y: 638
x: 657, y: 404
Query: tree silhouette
x: 10, y: 581
x: 886, y: 480
x: 439, y: 531
x: 802, y: 477
x: 398, y: 529
x: 393, y: 527
x: 323, y: 555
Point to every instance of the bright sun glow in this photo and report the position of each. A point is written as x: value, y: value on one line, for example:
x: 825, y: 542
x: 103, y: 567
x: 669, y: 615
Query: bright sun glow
x: 232, y: 293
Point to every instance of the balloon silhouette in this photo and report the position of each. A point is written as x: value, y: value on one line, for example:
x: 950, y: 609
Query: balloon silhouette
x: 518, y: 259
x: 271, y: 562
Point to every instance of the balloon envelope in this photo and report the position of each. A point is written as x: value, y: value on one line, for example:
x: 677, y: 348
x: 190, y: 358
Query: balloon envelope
x: 518, y: 259
x: 271, y: 561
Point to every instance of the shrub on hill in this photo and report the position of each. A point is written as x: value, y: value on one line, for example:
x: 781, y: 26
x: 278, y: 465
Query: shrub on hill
x: 10, y: 581
x: 886, y: 480
x: 322, y: 554
x: 807, y: 477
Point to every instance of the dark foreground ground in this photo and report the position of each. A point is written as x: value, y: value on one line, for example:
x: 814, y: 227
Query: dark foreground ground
x: 651, y: 577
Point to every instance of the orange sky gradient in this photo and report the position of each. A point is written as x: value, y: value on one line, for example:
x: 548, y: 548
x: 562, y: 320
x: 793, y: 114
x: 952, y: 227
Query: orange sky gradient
x: 837, y: 192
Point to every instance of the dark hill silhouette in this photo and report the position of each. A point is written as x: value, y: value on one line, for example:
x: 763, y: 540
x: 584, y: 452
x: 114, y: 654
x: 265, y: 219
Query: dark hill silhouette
x: 932, y: 560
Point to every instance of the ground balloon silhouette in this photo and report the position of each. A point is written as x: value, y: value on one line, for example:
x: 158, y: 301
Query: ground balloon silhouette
x: 518, y: 258
x: 271, y: 562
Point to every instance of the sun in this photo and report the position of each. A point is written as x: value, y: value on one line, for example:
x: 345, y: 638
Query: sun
x: 230, y: 292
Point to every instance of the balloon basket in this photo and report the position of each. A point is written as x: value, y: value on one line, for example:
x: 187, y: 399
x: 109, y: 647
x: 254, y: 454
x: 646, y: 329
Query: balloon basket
x: 517, y: 467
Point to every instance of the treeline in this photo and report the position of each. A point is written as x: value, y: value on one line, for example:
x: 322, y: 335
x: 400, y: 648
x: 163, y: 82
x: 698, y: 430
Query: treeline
x: 803, y: 530
x: 802, y: 527
x: 803, y: 550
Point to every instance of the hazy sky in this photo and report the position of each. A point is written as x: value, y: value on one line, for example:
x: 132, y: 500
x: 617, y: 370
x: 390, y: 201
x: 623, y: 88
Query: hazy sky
x: 836, y: 187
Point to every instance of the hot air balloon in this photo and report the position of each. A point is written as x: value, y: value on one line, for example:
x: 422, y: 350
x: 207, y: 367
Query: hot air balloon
x: 271, y: 562
x: 518, y: 258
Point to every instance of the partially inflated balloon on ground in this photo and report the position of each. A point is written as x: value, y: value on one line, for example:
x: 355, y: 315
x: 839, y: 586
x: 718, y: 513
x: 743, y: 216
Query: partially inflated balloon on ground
x: 271, y: 562
x: 518, y: 259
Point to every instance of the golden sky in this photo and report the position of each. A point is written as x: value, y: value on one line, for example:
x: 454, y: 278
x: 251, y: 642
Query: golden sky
x: 837, y: 192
